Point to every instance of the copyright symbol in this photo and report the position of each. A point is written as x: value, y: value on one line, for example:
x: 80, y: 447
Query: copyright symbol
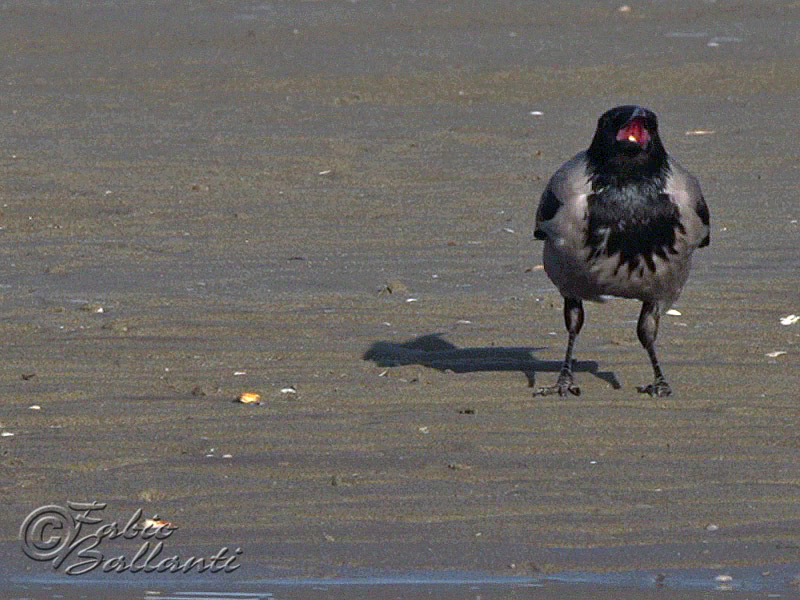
x: 46, y: 532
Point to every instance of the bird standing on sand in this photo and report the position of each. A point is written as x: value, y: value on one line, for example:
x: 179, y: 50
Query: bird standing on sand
x: 621, y: 219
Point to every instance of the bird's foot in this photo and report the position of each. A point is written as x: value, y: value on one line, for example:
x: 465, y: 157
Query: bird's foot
x: 563, y: 387
x: 659, y: 388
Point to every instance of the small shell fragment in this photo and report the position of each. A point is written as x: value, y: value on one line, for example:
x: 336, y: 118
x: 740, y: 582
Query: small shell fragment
x: 712, y: 527
x: 673, y: 312
x: 289, y: 390
x: 6, y: 434
x: 458, y: 466
x: 249, y: 398
x: 790, y: 319
x: 93, y: 308
x: 700, y: 132
x: 37, y: 407
x: 723, y: 578
x: 715, y: 41
x: 776, y: 354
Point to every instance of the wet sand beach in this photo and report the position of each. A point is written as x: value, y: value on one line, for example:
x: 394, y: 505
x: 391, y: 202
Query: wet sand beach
x: 331, y: 204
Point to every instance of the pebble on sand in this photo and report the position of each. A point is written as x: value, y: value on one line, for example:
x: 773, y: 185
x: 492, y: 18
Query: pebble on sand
x: 395, y: 286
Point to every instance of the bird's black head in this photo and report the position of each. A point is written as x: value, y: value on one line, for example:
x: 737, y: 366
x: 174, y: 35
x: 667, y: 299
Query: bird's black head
x: 626, y: 145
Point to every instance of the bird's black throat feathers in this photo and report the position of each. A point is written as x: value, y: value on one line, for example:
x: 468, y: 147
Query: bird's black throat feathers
x: 636, y: 221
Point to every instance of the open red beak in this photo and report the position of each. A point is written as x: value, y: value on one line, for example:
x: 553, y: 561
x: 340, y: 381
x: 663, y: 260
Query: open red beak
x: 635, y: 132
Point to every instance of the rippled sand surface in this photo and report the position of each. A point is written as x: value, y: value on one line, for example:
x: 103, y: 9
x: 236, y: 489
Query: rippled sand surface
x: 331, y: 204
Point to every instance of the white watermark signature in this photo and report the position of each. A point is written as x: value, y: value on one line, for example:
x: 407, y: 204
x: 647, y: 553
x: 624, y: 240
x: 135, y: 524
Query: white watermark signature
x: 71, y: 536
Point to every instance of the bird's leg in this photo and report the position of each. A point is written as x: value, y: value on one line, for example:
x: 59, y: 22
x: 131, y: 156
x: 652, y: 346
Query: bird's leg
x: 647, y: 330
x: 573, y: 319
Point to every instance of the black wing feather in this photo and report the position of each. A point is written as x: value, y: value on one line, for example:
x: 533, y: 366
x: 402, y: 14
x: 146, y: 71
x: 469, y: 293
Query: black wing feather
x: 548, y: 207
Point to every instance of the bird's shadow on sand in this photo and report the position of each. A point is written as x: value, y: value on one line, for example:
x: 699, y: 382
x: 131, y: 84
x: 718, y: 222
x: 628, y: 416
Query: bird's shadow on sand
x: 436, y: 353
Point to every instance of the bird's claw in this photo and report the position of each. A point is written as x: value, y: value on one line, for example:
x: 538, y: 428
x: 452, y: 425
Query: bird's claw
x: 563, y: 387
x: 659, y: 389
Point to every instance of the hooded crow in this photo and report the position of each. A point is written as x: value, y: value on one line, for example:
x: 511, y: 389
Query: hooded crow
x: 621, y: 219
